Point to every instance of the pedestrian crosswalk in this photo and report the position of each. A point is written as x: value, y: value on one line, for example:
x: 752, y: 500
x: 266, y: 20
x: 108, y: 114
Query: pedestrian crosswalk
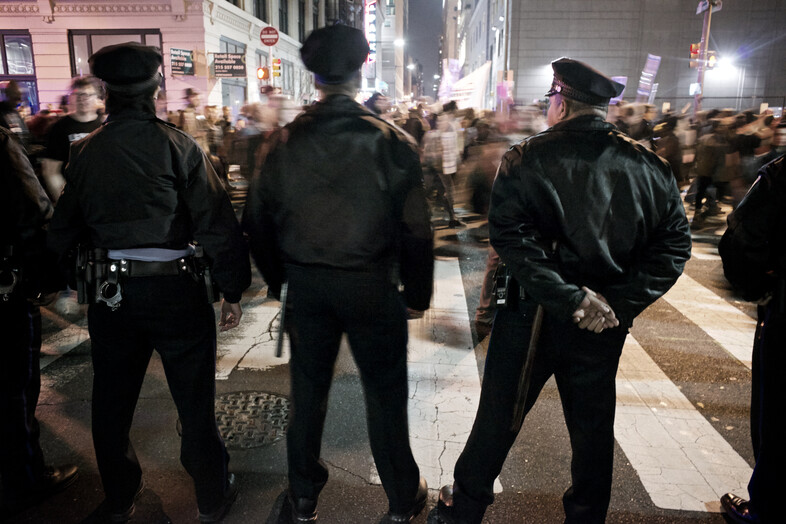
x: 682, y: 461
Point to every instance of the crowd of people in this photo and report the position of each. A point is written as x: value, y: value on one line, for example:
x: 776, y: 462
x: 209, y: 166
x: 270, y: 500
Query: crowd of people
x: 124, y: 202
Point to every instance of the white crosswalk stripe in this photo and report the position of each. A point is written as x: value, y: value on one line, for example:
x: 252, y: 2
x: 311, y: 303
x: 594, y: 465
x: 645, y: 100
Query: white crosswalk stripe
x: 444, y: 384
x: 730, y: 327
x: 683, y: 462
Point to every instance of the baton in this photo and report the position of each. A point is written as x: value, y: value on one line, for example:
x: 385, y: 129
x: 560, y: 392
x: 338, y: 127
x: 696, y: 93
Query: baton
x: 526, y: 371
x: 280, y: 342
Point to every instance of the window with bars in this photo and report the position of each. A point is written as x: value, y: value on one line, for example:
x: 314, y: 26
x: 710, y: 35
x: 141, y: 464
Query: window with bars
x: 283, y: 16
x: 316, y: 14
x: 260, y: 10
x: 301, y: 20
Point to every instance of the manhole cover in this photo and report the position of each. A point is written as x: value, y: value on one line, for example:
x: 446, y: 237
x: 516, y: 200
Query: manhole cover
x: 250, y: 419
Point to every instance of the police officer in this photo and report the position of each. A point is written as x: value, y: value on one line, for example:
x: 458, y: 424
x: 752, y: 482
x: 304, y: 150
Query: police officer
x: 338, y: 211
x: 578, y: 212
x: 24, y: 210
x: 754, y: 261
x: 138, y: 192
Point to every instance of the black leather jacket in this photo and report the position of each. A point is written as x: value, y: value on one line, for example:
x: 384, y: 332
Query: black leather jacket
x: 138, y: 182
x: 341, y: 188
x: 753, y: 248
x: 611, y: 206
x: 24, y: 206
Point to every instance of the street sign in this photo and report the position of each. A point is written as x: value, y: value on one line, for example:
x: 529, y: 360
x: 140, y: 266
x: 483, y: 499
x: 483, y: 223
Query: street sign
x: 269, y: 35
x: 229, y: 65
x: 181, y: 61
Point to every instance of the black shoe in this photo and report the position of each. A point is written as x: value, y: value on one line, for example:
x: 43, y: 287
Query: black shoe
x: 456, y: 223
x: 738, y: 509
x: 53, y: 480
x: 230, y: 494
x: 119, y: 516
x: 288, y: 510
x: 446, y: 512
x: 420, y: 502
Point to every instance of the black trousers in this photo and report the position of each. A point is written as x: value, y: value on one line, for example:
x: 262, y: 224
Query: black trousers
x: 585, y: 366
x: 767, y: 402
x: 325, y: 304
x: 172, y: 316
x: 21, y: 458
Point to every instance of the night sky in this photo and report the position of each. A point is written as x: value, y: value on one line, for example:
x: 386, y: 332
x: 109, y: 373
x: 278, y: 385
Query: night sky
x: 425, y: 26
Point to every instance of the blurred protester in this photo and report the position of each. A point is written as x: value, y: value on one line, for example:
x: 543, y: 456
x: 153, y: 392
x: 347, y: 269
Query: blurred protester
x: 378, y: 103
x: 777, y: 144
x: 710, y: 168
x: 83, y: 119
x: 449, y: 152
x: 192, y: 121
x: 28, y: 279
x: 667, y: 146
x: 753, y: 250
x: 574, y: 206
x: 40, y: 124
x: 225, y: 123
x: 415, y: 125
x: 139, y: 193
x: 10, y: 118
x: 337, y: 205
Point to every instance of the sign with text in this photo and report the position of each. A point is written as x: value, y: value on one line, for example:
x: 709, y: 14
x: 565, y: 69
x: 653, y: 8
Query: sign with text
x: 181, y: 61
x: 371, y: 30
x: 229, y: 65
x: 269, y: 35
x: 647, y: 78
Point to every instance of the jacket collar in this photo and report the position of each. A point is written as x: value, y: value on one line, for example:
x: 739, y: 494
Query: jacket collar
x: 342, y: 104
x: 583, y: 123
x: 130, y: 114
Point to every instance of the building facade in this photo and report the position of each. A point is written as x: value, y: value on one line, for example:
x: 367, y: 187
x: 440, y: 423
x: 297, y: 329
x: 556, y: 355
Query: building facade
x: 212, y: 46
x: 521, y: 37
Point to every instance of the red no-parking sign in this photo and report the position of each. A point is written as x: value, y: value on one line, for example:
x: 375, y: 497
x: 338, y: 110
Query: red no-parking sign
x: 269, y: 35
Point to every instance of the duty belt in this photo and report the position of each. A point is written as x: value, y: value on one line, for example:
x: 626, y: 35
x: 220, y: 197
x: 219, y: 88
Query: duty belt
x: 109, y: 290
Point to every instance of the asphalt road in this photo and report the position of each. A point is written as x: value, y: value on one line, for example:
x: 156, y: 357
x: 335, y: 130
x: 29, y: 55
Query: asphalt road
x: 683, y: 429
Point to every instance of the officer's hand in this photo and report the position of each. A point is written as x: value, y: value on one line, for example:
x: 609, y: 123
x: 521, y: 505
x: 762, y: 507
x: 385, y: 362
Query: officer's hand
x: 594, y: 313
x: 230, y: 315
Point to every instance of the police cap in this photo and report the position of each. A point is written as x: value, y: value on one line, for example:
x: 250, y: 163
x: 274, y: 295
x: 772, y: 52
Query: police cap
x: 129, y: 68
x: 580, y: 82
x: 335, y: 53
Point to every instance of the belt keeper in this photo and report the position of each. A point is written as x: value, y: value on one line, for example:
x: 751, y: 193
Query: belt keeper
x: 114, y: 270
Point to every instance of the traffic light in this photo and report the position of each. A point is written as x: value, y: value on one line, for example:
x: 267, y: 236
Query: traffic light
x: 276, y: 67
x: 712, y: 59
x: 263, y: 73
x: 695, y: 49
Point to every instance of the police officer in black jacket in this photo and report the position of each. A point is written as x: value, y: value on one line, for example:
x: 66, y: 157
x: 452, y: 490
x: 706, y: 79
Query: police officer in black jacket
x: 338, y: 211
x: 753, y: 250
x: 578, y: 213
x: 25, y: 281
x: 138, y: 192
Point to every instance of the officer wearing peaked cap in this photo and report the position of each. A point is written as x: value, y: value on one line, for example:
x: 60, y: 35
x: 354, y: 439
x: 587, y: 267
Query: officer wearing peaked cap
x: 592, y: 230
x: 145, y: 198
x: 338, y: 212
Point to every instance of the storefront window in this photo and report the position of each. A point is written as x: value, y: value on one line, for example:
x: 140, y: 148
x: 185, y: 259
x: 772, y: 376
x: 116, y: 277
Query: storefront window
x: 16, y: 63
x: 83, y: 43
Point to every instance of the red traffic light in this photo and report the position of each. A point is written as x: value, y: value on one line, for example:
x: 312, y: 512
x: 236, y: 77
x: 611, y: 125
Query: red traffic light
x: 263, y: 73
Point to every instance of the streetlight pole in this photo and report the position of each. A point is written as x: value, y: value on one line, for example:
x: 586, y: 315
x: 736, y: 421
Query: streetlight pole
x: 705, y: 41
